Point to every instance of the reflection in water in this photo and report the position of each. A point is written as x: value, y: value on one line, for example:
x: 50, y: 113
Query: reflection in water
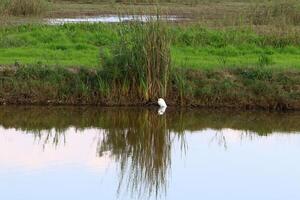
x: 36, y: 119
x: 51, y: 136
x: 141, y: 143
x: 109, y: 19
x: 139, y: 140
x: 162, y: 110
x: 220, y: 138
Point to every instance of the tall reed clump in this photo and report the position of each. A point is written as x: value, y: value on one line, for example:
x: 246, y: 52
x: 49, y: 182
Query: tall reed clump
x: 23, y: 7
x: 140, y: 59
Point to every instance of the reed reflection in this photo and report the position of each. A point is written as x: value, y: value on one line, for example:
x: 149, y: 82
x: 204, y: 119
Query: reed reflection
x: 140, y: 140
x: 141, y: 143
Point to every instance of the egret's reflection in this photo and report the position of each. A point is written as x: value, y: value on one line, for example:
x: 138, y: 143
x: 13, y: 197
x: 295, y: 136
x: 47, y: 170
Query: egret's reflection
x: 161, y: 110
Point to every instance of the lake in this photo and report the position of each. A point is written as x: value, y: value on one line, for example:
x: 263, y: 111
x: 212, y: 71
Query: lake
x: 94, y: 153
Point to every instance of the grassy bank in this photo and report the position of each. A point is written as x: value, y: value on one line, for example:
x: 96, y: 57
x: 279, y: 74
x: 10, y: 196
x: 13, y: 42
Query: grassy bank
x: 135, y: 63
x: 245, y: 88
x: 191, y: 46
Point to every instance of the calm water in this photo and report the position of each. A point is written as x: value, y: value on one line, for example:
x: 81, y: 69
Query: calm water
x: 110, y: 19
x: 128, y: 153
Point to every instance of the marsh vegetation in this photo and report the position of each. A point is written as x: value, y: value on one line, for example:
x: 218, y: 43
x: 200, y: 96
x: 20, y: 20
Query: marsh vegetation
x: 250, y: 62
x: 23, y: 7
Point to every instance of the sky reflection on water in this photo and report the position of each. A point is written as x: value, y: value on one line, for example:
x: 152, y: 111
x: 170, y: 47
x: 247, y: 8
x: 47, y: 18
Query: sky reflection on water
x: 136, y: 154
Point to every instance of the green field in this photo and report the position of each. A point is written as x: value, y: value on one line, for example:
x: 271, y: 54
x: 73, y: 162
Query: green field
x: 228, y: 33
x: 191, y: 46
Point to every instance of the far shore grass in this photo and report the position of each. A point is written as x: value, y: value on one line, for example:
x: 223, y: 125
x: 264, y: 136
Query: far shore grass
x: 81, y: 45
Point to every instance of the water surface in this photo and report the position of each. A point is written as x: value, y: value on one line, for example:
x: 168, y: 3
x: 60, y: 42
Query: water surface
x: 132, y: 153
x: 109, y: 19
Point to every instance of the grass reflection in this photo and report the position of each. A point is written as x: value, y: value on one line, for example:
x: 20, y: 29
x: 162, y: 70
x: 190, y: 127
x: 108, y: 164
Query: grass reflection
x: 35, y: 119
x: 138, y: 139
x: 141, y: 144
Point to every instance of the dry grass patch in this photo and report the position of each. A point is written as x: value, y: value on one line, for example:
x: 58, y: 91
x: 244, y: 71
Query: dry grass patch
x: 23, y: 7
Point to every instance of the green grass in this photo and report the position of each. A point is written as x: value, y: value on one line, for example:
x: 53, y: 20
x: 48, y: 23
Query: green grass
x: 69, y: 57
x: 191, y: 47
x: 210, y: 57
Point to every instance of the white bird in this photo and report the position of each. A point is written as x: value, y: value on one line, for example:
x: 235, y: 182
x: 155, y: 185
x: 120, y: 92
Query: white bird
x: 162, y: 103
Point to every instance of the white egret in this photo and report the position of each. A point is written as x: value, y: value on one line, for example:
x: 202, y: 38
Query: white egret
x: 162, y: 103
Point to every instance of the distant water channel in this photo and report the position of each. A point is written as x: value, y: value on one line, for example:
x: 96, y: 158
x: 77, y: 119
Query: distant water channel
x: 133, y: 153
x: 109, y: 19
